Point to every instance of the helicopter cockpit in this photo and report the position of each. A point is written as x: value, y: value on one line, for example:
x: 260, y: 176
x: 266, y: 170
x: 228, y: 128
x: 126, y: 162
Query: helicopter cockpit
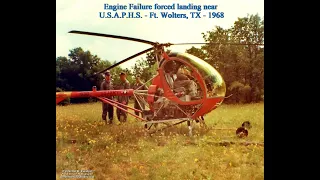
x: 214, y: 83
x: 180, y: 79
x: 190, y: 79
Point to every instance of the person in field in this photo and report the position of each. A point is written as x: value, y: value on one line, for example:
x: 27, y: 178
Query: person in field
x: 122, y: 115
x: 107, y: 109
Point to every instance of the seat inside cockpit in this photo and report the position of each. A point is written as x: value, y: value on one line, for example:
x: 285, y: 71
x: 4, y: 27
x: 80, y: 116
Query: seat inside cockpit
x: 180, y: 80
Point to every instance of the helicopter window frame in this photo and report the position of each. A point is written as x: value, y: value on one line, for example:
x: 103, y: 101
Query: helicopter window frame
x: 207, y: 71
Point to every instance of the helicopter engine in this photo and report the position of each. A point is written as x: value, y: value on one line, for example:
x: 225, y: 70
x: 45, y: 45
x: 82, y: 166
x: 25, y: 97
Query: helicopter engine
x: 165, y: 109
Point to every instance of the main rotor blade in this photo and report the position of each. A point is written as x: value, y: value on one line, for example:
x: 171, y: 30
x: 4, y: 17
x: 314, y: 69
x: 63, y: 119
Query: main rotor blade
x: 215, y: 44
x: 113, y: 36
x: 125, y: 60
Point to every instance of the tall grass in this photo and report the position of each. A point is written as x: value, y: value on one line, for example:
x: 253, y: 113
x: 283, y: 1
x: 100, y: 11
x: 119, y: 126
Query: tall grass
x: 84, y: 142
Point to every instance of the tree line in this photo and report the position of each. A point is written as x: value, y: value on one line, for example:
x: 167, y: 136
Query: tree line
x: 241, y: 66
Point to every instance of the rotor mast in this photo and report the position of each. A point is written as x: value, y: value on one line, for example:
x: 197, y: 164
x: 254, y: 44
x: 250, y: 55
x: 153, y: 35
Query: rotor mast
x: 159, y: 50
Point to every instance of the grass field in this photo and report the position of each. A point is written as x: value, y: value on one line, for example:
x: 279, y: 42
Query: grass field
x: 125, y: 152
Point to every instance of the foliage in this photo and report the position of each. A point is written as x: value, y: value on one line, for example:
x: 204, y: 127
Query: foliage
x: 75, y: 73
x: 197, y: 52
x: 143, y: 69
x: 241, y: 66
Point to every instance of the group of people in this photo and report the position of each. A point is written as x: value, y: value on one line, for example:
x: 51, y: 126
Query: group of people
x: 107, y: 109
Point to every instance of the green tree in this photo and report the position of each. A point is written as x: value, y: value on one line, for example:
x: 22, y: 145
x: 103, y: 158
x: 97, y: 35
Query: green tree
x: 75, y: 73
x: 240, y: 65
x: 62, y: 66
x: 144, y: 70
x: 197, y: 52
x: 250, y: 30
x: 115, y: 72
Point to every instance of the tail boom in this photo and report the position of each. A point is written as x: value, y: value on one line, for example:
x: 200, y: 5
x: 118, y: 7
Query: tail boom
x: 60, y: 96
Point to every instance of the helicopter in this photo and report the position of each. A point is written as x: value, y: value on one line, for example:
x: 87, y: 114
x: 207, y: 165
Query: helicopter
x: 163, y: 102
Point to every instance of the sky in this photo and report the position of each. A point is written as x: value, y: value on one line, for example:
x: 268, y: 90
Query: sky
x: 83, y: 15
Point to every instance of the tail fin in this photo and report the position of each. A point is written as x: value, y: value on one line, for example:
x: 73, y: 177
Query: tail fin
x: 59, y: 99
x: 60, y: 96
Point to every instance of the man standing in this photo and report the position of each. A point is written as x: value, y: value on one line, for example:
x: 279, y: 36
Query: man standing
x: 141, y: 86
x: 123, y: 99
x: 107, y: 108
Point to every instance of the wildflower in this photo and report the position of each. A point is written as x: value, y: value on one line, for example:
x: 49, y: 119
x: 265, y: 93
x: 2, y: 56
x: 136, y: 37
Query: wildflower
x: 91, y: 141
x: 196, y: 160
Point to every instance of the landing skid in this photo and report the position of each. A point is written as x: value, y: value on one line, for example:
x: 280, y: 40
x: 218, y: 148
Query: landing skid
x: 240, y: 132
x: 167, y: 122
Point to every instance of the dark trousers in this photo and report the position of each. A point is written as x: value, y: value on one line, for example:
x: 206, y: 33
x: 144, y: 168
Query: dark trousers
x: 107, y: 109
x: 137, y: 106
x: 122, y: 113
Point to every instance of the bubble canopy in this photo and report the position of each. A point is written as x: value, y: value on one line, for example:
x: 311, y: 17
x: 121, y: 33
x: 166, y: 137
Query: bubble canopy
x: 214, y: 82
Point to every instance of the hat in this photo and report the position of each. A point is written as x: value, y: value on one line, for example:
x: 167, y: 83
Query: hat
x: 107, y: 73
x: 122, y: 73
